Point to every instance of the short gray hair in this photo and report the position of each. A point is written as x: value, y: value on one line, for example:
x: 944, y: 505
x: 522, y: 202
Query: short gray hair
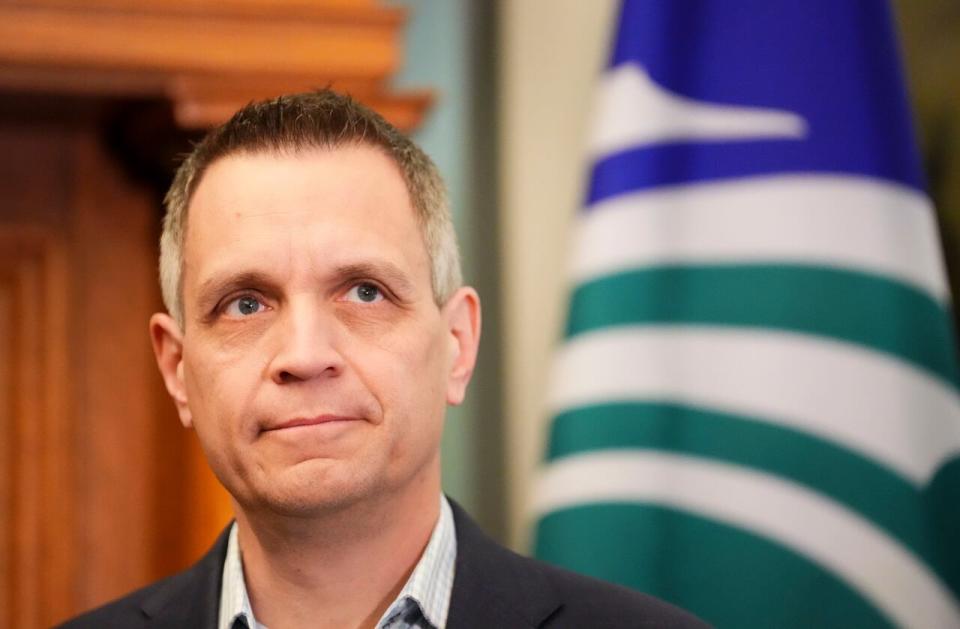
x: 319, y: 119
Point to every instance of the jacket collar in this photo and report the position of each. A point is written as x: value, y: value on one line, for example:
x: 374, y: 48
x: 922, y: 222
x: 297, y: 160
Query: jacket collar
x: 191, y: 598
x: 494, y: 587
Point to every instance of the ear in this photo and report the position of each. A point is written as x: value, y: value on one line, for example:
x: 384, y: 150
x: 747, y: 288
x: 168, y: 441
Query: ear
x: 462, y: 313
x: 168, y: 349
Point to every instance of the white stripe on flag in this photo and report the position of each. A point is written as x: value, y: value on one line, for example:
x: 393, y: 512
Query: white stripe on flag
x: 633, y: 111
x: 863, y: 400
x: 848, y: 222
x: 821, y: 529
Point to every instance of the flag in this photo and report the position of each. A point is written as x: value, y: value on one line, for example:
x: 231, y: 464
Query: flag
x: 754, y: 409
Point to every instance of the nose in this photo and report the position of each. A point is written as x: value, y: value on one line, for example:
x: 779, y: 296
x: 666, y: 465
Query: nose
x: 305, y: 343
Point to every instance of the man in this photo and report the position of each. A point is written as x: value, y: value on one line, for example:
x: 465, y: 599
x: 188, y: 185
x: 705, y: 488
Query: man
x: 316, y: 330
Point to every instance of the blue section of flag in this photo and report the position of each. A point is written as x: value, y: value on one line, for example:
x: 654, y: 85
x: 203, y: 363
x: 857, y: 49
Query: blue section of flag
x: 835, y: 66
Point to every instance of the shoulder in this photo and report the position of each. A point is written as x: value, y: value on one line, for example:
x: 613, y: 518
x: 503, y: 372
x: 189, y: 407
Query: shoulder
x: 188, y: 599
x: 594, y: 603
x: 492, y: 581
x: 128, y: 611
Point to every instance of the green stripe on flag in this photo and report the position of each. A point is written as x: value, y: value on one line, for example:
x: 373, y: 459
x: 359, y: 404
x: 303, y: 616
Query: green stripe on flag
x: 691, y: 562
x: 868, y: 310
x: 942, y: 497
x: 875, y: 492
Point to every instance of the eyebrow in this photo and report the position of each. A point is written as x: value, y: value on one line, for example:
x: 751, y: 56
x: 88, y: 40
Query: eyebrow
x: 388, y: 272
x: 220, y: 284
x: 212, y: 288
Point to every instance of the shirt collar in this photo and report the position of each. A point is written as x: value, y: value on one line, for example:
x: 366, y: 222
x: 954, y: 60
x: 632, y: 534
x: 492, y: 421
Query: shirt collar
x: 431, y: 581
x: 429, y: 585
x: 234, y: 601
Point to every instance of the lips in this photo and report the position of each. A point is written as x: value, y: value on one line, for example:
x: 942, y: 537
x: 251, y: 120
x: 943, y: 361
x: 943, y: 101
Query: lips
x: 298, y: 422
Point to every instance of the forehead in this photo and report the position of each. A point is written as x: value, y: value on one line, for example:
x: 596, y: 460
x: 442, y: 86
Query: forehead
x: 311, y: 207
x: 353, y: 172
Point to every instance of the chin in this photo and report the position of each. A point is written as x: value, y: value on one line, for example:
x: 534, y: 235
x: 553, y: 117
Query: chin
x: 302, y: 492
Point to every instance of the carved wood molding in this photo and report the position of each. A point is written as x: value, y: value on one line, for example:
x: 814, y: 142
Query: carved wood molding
x: 207, y: 56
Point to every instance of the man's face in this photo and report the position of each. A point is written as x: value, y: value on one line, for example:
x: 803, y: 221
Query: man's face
x: 314, y: 363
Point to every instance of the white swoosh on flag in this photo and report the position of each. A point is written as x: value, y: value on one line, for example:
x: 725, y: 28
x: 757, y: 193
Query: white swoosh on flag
x: 633, y: 111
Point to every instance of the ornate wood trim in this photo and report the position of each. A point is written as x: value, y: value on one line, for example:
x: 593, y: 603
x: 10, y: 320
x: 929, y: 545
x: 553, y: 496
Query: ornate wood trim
x: 207, y: 56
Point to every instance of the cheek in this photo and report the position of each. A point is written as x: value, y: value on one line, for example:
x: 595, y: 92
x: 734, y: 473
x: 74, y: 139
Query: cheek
x: 418, y: 365
x: 218, y: 390
x: 418, y: 391
x: 404, y: 369
x: 218, y: 406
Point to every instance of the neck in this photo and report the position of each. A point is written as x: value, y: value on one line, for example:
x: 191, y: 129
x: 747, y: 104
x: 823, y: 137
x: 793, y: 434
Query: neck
x: 342, y: 569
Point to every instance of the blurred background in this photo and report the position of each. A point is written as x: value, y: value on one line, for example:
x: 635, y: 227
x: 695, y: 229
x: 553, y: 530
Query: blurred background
x: 100, y: 489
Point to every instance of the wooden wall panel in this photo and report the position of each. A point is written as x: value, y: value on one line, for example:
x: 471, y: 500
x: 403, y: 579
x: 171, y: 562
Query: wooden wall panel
x: 101, y: 490
x: 96, y: 475
x: 7, y: 305
x: 36, y: 474
x: 111, y: 295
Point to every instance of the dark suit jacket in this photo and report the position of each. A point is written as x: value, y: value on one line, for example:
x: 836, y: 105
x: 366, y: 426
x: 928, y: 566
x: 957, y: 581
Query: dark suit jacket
x: 492, y: 588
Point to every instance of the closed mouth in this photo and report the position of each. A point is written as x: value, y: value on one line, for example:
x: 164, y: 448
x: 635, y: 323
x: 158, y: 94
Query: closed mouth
x: 298, y: 422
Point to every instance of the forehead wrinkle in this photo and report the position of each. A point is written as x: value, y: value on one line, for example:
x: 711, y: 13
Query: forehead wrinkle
x: 273, y: 212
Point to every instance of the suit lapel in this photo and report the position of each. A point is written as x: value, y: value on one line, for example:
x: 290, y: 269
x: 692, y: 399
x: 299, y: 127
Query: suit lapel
x: 493, y: 587
x: 191, y: 599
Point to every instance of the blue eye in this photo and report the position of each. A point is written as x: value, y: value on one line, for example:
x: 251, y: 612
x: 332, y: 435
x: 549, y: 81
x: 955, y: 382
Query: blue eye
x: 365, y: 292
x: 243, y: 306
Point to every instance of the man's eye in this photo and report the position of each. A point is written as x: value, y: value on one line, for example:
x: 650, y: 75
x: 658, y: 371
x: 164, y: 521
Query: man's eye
x: 243, y: 306
x: 365, y: 292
